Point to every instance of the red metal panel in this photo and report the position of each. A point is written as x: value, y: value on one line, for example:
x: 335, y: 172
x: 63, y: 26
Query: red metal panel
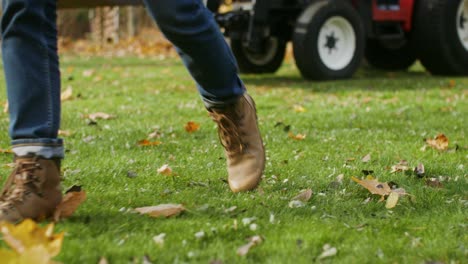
x: 404, y: 14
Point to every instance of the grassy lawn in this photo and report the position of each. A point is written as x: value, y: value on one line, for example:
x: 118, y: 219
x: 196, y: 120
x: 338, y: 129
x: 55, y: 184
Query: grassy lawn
x: 386, y: 115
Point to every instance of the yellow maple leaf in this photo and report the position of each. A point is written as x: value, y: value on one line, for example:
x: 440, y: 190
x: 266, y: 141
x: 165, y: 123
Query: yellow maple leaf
x: 30, y: 242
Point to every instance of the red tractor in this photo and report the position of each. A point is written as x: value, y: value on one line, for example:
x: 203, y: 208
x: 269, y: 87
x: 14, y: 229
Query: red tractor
x: 330, y: 37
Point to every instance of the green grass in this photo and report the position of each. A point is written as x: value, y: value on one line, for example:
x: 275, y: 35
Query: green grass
x: 385, y: 114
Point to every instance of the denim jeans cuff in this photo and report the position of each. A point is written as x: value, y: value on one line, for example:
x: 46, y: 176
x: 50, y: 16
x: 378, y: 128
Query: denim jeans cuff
x: 43, y: 147
x: 217, y: 104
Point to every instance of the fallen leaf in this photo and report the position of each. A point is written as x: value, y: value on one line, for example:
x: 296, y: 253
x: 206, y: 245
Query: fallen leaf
x: 159, y: 239
x: 30, y: 242
x: 419, y: 170
x: 303, y: 196
x: 296, y: 204
x: 299, y: 109
x: 5, y: 107
x: 191, y: 127
x: 162, y: 210
x: 328, y: 251
x: 434, y: 182
x: 88, y: 73
x: 99, y: 115
x: 440, y: 142
x: 392, y: 200
x: 253, y: 241
x: 165, y: 170
x: 374, y: 186
x: 103, y: 260
x: 64, y: 133
x: 366, y: 158
x: 6, y: 151
x: 67, y: 94
x: 297, y: 136
x: 402, y: 166
x: 73, y: 198
x: 146, y: 143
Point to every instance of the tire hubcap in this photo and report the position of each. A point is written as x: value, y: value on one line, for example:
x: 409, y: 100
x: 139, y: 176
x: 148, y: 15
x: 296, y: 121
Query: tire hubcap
x: 336, y: 43
x: 267, y: 56
x: 462, y: 23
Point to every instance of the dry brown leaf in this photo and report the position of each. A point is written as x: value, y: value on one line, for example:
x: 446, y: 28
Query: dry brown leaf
x: 67, y: 94
x: 103, y: 260
x: 366, y: 158
x: 191, y: 127
x: 434, y: 182
x: 146, y: 143
x: 88, y: 73
x: 5, y: 107
x: 253, y: 241
x: 64, y: 133
x: 303, y: 196
x: 297, y: 136
x: 440, y: 142
x: 6, y: 151
x: 99, y: 115
x: 402, y: 166
x: 374, y: 186
x: 419, y: 170
x: 162, y: 210
x: 392, y: 200
x: 73, y: 198
x: 165, y: 170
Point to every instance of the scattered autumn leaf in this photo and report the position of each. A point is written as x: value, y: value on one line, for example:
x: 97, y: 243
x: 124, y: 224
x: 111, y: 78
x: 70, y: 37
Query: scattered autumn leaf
x: 5, y: 107
x: 299, y: 109
x: 99, y: 115
x: 296, y: 136
x: 30, y: 243
x: 162, y: 210
x: 73, y: 198
x: 366, y: 158
x: 434, y: 182
x: 451, y: 83
x: 253, y: 241
x: 103, y: 260
x: 146, y: 143
x: 440, y: 142
x: 401, y: 166
x: 374, y: 186
x: 392, y: 200
x: 67, y: 94
x: 165, y: 170
x: 303, y: 196
x: 419, y: 170
x: 6, y: 151
x: 328, y: 251
x: 64, y: 133
x: 88, y: 73
x: 191, y: 127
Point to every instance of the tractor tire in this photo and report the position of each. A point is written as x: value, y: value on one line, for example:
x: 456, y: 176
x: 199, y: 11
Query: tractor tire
x: 383, y: 57
x: 441, y: 36
x: 266, y: 62
x: 328, y: 40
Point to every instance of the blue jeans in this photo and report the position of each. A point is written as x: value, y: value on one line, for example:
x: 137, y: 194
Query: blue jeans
x: 31, y: 65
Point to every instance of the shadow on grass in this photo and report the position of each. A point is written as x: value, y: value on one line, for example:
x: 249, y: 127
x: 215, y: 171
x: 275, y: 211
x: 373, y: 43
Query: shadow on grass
x: 365, y: 79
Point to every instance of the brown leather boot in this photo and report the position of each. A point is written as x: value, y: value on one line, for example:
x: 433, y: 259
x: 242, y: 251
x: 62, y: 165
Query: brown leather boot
x: 32, y: 190
x: 239, y: 134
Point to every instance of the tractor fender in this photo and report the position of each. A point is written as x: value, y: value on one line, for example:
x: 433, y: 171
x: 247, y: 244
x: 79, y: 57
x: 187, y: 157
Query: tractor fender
x: 307, y: 15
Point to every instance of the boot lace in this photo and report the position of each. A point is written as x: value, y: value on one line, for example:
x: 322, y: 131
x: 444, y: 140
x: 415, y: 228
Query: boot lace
x: 229, y: 132
x: 21, y: 183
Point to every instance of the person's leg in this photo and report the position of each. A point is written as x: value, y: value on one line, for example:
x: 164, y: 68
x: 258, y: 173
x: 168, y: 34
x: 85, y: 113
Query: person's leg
x: 29, y: 51
x: 192, y: 29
